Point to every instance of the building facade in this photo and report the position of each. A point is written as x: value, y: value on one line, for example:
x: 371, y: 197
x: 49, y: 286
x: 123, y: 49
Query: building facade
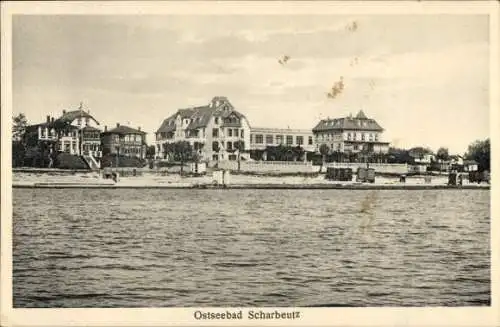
x: 74, y: 132
x: 351, y: 135
x: 214, y: 130
x: 124, y: 141
x: 260, y: 138
x: 87, y: 141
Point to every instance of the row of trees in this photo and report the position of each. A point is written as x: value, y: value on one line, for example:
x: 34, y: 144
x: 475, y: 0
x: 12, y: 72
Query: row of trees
x: 183, y: 151
x: 478, y: 151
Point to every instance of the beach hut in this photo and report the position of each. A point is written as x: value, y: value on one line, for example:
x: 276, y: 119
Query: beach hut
x: 338, y: 174
x: 365, y: 175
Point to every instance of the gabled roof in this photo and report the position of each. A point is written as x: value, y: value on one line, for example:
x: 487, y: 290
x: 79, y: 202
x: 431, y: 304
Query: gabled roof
x: 57, y: 125
x: 348, y: 124
x: 360, y: 122
x: 361, y: 115
x: 200, y: 116
x: 90, y: 129
x: 123, y: 130
x: 70, y: 116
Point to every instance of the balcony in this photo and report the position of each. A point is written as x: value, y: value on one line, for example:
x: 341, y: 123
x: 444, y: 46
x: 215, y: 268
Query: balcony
x: 48, y: 137
x: 95, y: 154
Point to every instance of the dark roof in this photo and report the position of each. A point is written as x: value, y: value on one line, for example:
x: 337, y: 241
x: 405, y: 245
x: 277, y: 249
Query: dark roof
x: 70, y: 116
x: 360, y: 122
x: 361, y: 115
x: 57, y: 125
x: 200, y: 116
x: 123, y: 130
x: 90, y: 129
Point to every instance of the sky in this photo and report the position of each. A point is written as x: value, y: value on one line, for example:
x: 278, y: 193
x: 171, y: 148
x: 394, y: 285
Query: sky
x: 424, y: 78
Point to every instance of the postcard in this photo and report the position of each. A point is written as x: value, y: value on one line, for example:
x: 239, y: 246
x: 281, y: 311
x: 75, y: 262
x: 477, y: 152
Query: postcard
x: 250, y: 163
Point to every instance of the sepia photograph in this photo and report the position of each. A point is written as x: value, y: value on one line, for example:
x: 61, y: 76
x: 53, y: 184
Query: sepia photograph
x: 236, y: 163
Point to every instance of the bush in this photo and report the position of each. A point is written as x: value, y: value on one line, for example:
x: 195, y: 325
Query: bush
x: 109, y: 160
x: 69, y: 161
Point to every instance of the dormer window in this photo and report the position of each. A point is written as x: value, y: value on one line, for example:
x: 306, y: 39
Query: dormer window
x: 216, y: 120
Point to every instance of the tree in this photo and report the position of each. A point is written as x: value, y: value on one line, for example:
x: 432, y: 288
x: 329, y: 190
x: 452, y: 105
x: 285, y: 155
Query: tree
x: 442, y: 154
x: 480, y: 152
x: 150, y: 152
x: 299, y: 152
x: 183, y: 152
x: 419, y: 152
x: 323, y: 150
x: 18, y: 154
x: 365, y: 153
x: 399, y: 156
x: 239, y: 146
x: 19, y: 124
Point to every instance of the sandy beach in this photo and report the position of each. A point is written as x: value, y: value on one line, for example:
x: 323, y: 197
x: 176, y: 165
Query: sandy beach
x: 148, y: 179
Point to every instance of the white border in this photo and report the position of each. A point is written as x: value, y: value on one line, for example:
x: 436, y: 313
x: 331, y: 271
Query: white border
x: 435, y: 316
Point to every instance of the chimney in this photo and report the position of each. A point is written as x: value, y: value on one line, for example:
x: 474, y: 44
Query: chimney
x: 105, y: 128
x: 139, y: 128
x: 52, y: 120
x: 64, y: 111
x: 117, y: 124
x: 48, y: 119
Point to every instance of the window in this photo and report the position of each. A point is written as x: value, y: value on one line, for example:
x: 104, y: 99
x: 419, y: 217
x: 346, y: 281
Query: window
x: 279, y: 139
x: 215, y: 146
x: 242, y: 134
x: 299, y: 140
x: 354, y: 136
x: 269, y: 139
x: 310, y: 141
x: 229, y: 132
x: 259, y: 139
x: 362, y: 136
x: 349, y: 136
x: 216, y: 120
x: 371, y: 137
x: 229, y: 146
x: 376, y: 137
x: 355, y: 146
x: 79, y: 121
x: 215, y: 132
x: 289, y: 140
x: 235, y: 132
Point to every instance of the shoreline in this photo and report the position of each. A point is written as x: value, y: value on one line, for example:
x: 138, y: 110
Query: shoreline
x: 37, y: 179
x: 335, y: 186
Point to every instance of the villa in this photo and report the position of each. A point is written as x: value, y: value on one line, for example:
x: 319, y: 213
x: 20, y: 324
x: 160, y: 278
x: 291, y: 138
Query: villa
x: 124, y: 141
x: 74, y: 132
x: 351, y: 135
x: 214, y: 130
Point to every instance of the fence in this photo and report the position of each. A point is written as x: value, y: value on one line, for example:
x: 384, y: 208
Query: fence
x: 270, y: 166
x: 379, y: 167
